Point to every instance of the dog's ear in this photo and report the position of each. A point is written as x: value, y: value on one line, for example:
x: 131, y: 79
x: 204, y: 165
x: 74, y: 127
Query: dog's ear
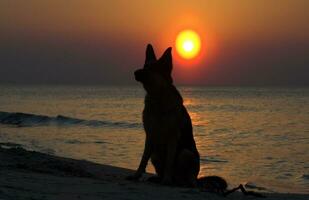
x: 166, y: 60
x: 150, y: 55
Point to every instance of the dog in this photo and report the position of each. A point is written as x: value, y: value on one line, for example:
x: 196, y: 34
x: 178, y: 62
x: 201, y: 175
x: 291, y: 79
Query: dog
x: 169, y: 139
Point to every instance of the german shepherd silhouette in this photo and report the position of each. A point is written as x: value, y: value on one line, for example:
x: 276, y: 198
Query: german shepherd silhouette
x: 169, y: 139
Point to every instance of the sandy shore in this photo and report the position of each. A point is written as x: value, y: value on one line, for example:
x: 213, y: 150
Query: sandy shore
x: 32, y: 175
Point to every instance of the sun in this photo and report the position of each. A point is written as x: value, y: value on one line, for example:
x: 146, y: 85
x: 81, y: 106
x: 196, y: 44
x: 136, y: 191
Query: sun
x: 188, y: 44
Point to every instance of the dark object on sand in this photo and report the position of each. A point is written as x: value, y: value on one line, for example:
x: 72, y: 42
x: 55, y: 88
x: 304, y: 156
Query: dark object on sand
x: 218, y: 185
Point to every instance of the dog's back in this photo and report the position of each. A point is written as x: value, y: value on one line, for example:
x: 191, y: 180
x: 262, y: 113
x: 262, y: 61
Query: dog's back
x: 169, y: 118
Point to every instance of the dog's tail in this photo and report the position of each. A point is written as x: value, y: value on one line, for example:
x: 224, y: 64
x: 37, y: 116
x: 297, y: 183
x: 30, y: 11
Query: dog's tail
x: 219, y: 185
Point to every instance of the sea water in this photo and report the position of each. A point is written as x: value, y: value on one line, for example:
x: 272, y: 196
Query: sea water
x: 255, y: 136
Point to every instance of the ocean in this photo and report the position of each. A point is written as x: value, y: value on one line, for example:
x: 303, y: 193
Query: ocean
x: 256, y: 136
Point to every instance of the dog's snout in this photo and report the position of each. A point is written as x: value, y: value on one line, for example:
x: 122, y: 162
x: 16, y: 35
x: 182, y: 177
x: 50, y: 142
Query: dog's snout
x: 136, y: 72
x: 139, y: 75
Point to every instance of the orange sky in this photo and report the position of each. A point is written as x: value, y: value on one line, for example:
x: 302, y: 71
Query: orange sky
x: 232, y: 18
x: 133, y: 24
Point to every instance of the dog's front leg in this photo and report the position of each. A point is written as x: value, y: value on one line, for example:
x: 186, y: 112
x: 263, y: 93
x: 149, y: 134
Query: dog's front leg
x: 142, y: 166
x: 170, y: 159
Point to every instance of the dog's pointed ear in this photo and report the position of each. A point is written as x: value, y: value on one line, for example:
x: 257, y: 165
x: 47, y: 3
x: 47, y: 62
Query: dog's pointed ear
x: 166, y: 59
x: 150, y: 54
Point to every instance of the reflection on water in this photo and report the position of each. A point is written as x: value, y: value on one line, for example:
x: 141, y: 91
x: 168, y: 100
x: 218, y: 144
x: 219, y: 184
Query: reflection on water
x: 257, y: 135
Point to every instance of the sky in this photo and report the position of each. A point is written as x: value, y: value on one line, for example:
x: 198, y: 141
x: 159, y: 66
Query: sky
x: 244, y: 43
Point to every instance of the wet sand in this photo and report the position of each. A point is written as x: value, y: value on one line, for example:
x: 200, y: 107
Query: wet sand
x: 32, y: 175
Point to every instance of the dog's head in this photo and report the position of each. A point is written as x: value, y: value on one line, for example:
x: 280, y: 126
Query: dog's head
x: 156, y: 74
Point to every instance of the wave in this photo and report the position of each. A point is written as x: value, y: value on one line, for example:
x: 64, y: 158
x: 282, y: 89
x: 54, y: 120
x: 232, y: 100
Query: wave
x: 212, y: 159
x: 29, y: 120
x: 231, y: 108
x: 251, y: 185
x: 223, y: 108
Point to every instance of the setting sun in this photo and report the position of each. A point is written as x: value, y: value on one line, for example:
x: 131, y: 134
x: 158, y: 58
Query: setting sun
x: 188, y: 44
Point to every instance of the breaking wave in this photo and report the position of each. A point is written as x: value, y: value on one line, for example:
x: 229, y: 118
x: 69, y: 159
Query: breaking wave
x: 29, y: 120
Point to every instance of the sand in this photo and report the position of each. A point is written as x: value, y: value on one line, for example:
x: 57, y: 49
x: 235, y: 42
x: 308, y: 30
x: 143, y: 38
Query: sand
x: 32, y: 175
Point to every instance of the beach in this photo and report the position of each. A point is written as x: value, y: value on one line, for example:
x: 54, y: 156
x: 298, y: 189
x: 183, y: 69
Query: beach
x: 33, y: 175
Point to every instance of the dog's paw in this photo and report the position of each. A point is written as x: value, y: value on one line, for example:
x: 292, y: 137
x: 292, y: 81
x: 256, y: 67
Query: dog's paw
x: 155, y: 179
x: 133, y: 177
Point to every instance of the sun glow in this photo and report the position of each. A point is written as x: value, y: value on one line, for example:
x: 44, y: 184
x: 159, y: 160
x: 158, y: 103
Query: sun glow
x: 188, y: 44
